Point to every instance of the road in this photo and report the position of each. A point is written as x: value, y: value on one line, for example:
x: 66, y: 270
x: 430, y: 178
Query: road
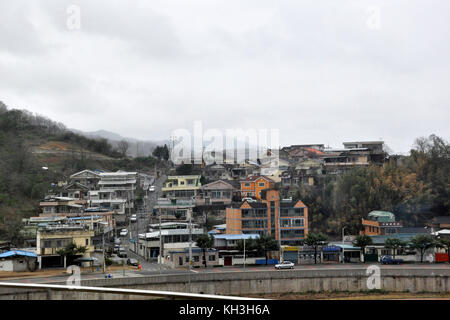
x: 153, y: 269
x: 144, y: 218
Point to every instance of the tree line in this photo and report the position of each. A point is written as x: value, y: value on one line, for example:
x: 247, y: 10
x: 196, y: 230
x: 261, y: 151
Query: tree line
x: 415, y: 188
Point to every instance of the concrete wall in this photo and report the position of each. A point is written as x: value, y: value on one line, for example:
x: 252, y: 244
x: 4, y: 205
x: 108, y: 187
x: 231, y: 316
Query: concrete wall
x: 251, y: 283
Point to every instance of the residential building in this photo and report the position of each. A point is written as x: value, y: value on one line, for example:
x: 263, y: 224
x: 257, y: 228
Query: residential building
x: 117, y: 191
x: 174, y: 209
x: 180, y: 258
x: 380, y: 223
x: 74, y: 190
x: 18, y: 261
x: 86, y: 178
x: 181, y: 187
x: 172, y: 239
x: 51, y: 238
x: 286, y: 220
x: 217, y: 192
x: 61, y: 205
x: 253, y: 185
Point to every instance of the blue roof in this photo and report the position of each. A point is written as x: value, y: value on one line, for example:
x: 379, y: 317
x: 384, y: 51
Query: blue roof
x: 348, y: 247
x: 236, y: 236
x: 84, y: 218
x: 13, y: 253
x: 401, y: 236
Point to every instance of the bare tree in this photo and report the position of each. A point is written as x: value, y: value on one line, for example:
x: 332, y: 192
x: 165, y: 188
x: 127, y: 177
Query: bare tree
x: 123, y: 146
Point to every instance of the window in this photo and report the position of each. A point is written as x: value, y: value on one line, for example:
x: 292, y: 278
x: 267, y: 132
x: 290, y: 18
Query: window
x: 247, y: 184
x: 261, y: 184
x: 212, y: 258
x: 87, y: 242
x: 196, y: 259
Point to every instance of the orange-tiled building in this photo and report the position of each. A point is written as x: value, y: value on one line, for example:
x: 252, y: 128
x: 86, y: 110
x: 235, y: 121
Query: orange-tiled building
x: 269, y: 216
x: 371, y: 228
x: 253, y: 185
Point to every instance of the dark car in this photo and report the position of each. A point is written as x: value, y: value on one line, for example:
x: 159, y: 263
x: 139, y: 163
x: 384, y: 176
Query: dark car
x: 132, y: 262
x: 390, y: 260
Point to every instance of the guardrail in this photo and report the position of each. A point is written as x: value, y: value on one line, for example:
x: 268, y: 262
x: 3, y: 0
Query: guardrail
x: 153, y: 293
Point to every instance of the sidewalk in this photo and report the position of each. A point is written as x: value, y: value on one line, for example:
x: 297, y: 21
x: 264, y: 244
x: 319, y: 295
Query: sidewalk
x: 8, y: 275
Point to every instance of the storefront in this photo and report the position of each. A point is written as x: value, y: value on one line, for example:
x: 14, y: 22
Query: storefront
x: 331, y: 254
x: 290, y: 254
x: 306, y: 255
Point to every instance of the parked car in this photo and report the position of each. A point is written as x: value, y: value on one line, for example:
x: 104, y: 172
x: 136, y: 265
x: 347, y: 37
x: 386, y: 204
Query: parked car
x: 390, y: 260
x: 151, y: 189
x: 122, y: 253
x: 132, y: 262
x: 117, y: 241
x: 133, y: 218
x: 285, y: 265
x: 123, y: 232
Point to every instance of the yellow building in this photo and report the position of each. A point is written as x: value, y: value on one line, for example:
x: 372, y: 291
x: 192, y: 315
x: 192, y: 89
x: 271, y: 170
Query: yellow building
x: 51, y: 238
x: 179, y: 187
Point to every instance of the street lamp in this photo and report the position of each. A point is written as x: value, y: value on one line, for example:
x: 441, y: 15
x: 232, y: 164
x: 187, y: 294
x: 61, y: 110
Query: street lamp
x: 343, y: 234
x: 343, y: 255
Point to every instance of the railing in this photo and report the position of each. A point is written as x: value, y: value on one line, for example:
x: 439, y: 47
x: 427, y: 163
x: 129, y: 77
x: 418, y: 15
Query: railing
x: 150, y: 293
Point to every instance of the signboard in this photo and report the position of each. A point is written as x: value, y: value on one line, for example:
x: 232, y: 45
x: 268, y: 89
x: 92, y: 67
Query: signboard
x: 290, y: 248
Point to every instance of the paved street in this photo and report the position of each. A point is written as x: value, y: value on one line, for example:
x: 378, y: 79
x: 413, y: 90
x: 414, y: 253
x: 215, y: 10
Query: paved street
x: 152, y: 269
x: 347, y: 266
x: 144, y: 218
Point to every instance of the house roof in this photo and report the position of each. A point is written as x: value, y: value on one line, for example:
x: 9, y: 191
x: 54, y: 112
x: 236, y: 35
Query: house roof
x: 224, y: 184
x: 254, y: 178
x: 20, y: 253
x: 236, y: 236
x: 401, y: 236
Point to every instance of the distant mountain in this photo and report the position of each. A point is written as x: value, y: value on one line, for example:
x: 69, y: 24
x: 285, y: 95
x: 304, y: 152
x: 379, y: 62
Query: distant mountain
x: 136, y: 147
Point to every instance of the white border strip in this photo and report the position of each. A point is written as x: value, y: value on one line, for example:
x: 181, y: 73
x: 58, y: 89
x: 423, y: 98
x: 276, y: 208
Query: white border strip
x: 123, y: 291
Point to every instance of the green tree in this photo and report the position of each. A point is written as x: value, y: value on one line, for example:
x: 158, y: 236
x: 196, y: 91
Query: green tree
x: 422, y: 242
x: 204, y: 242
x: 394, y: 244
x: 315, y: 240
x: 71, y: 249
x: 362, y: 241
x: 264, y: 244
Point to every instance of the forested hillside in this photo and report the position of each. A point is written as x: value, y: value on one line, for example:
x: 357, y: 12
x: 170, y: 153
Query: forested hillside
x: 415, y: 188
x: 36, y: 152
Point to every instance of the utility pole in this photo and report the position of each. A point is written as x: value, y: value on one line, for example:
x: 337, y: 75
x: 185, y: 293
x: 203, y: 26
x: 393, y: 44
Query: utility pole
x: 160, y: 242
x: 190, y: 248
x: 279, y: 230
x: 103, y: 247
x: 244, y: 252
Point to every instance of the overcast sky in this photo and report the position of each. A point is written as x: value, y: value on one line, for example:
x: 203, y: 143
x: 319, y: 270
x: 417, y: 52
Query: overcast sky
x: 319, y: 71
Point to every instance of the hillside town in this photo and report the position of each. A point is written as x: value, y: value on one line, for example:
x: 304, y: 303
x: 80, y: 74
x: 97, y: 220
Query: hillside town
x: 217, y: 215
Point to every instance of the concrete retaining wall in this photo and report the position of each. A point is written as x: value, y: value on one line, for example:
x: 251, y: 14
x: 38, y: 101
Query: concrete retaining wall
x: 251, y: 283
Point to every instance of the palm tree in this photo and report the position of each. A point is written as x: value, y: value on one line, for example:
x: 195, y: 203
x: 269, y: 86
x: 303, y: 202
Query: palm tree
x: 362, y: 241
x: 265, y: 244
x: 205, y: 242
x: 314, y: 240
x: 422, y: 242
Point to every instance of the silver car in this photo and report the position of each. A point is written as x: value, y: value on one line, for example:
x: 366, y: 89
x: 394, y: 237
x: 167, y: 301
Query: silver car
x: 285, y: 265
